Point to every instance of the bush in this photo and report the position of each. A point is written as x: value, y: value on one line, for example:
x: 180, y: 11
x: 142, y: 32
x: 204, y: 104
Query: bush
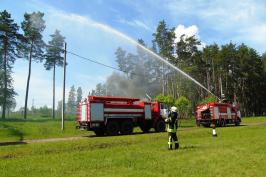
x: 184, y: 106
x: 208, y: 99
x: 169, y: 100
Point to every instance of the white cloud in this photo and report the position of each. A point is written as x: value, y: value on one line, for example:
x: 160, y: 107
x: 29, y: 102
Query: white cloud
x: 221, y: 13
x: 256, y: 35
x: 188, y: 32
x: 242, y: 21
x: 135, y: 23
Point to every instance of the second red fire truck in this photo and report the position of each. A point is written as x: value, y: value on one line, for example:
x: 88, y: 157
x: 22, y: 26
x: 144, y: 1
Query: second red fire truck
x: 118, y: 115
x: 216, y: 113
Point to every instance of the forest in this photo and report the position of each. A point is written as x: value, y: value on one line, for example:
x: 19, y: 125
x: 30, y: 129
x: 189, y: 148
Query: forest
x: 234, y: 70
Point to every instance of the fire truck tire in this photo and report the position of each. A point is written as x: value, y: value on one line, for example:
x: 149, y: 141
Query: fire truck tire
x: 99, y: 132
x: 126, y: 127
x: 160, y: 126
x: 222, y: 123
x: 145, y: 126
x: 206, y: 125
x: 112, y: 128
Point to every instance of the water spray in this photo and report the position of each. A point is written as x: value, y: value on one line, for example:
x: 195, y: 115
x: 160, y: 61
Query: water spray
x: 131, y: 40
x: 148, y: 96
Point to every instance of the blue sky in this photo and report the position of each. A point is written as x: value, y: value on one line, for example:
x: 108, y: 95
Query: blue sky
x: 80, y: 22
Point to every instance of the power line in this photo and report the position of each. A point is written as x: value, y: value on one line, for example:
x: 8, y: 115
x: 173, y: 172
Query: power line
x: 105, y: 65
x: 97, y: 62
x: 102, y: 64
x: 108, y: 66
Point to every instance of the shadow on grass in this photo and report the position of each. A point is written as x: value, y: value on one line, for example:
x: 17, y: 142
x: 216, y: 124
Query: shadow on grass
x: 135, y: 133
x: 186, y: 126
x: 231, y: 125
x: 12, y: 143
x: 44, y: 119
x: 189, y: 147
x: 13, y: 132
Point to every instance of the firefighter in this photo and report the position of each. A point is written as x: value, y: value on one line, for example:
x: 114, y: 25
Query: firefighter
x: 171, y: 123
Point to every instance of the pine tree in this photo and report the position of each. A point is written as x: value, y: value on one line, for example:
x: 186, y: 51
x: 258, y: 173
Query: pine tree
x: 164, y: 40
x: 53, y: 58
x: 71, y: 102
x: 79, y: 95
x: 33, y: 45
x: 121, y: 59
x: 9, y: 44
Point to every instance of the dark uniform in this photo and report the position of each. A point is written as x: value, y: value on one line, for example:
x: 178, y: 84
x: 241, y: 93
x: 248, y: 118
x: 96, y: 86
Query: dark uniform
x: 171, y: 129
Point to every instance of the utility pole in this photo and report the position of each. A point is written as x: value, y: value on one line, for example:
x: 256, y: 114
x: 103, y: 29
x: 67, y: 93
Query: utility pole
x: 64, y: 86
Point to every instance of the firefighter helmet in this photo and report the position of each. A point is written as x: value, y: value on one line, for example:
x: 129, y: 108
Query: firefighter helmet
x: 173, y: 109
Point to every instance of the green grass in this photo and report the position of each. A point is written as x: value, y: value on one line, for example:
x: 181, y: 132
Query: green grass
x: 19, y: 129
x: 237, y: 151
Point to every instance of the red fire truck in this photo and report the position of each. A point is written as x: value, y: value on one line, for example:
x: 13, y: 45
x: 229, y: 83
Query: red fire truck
x: 219, y: 114
x: 118, y: 115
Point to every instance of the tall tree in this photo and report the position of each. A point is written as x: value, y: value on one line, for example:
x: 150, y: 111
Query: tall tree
x: 79, y: 95
x: 71, y: 102
x: 121, y: 59
x: 32, y: 26
x: 53, y: 58
x: 264, y: 61
x: 9, y: 44
x: 164, y: 40
x: 211, y: 58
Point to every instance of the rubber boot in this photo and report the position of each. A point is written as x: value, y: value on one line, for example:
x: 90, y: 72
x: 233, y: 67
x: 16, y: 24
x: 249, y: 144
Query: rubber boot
x: 176, y: 145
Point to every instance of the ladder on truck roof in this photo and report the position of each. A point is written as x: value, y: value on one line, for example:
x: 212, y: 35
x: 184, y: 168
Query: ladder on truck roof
x: 109, y: 98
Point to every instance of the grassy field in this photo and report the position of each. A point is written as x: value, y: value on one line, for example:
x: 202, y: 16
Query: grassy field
x: 237, y: 151
x: 19, y: 129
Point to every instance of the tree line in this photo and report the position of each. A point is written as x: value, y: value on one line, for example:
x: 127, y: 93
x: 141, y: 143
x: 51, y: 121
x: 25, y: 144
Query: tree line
x: 236, y: 71
x: 74, y: 97
x: 28, y: 45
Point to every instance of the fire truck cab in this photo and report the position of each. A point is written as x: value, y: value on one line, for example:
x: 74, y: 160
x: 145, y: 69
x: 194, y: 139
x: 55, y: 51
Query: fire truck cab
x: 219, y: 114
x: 118, y: 115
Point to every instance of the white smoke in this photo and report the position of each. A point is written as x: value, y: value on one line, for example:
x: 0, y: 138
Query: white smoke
x: 36, y: 21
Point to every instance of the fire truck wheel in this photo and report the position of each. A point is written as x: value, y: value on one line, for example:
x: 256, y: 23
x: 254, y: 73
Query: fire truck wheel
x: 222, y: 123
x: 126, y: 127
x: 99, y: 132
x: 237, y: 123
x: 159, y: 126
x: 145, y: 126
x: 206, y: 125
x: 112, y: 128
